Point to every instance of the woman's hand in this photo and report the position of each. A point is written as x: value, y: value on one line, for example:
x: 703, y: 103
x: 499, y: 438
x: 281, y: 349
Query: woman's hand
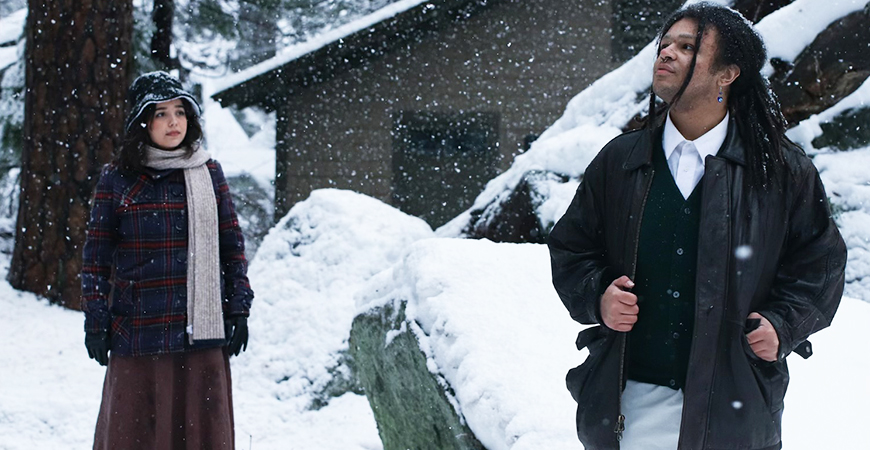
x: 237, y: 334
x: 97, y: 344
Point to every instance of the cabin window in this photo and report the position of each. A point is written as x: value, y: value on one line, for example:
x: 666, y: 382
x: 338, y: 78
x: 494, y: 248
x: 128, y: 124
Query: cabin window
x: 441, y: 162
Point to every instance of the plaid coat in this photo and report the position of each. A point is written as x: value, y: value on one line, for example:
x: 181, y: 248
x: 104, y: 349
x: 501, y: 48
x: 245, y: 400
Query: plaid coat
x: 134, y: 273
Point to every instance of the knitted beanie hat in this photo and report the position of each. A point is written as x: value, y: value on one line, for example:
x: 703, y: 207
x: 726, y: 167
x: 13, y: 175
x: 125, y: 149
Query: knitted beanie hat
x: 155, y: 87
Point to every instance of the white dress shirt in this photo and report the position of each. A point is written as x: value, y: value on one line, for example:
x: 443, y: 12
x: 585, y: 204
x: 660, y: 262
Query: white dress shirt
x: 686, y: 158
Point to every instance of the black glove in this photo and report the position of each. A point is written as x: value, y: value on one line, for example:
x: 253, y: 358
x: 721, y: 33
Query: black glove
x: 237, y: 334
x: 97, y: 344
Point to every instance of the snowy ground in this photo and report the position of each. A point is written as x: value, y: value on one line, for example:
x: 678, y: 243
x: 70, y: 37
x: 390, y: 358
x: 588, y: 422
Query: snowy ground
x: 485, y: 313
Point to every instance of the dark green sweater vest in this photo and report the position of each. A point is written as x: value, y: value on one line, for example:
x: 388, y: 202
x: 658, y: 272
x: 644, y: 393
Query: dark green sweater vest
x: 660, y: 341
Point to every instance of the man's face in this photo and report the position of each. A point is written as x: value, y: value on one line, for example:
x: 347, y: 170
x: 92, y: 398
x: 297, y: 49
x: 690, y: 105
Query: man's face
x: 675, y: 59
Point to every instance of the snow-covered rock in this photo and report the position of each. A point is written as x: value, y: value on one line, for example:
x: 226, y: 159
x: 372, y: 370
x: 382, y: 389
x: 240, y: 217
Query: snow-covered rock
x: 413, y: 407
x: 304, y: 277
x: 491, y: 330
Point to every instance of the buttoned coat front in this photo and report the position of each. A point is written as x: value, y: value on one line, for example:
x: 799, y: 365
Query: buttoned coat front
x: 789, y: 267
x: 134, y: 275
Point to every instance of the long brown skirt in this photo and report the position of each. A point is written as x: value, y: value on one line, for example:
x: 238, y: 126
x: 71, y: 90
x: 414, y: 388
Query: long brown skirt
x: 173, y: 401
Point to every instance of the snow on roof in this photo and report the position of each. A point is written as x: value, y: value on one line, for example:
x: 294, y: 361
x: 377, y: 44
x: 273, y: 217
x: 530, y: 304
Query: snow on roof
x: 317, y: 42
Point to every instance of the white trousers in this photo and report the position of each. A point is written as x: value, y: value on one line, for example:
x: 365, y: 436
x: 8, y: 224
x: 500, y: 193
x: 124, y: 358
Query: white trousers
x: 652, y: 417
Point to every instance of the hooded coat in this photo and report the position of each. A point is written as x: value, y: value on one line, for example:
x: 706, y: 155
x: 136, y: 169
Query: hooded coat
x: 794, y: 278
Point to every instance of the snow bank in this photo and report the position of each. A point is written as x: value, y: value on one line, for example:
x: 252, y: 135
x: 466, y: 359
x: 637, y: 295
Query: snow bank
x: 304, y: 277
x: 49, y: 389
x: 847, y: 182
x: 491, y: 325
x: 12, y: 26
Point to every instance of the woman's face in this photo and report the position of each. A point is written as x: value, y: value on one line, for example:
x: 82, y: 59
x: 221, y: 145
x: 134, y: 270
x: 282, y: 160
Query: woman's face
x: 168, y: 126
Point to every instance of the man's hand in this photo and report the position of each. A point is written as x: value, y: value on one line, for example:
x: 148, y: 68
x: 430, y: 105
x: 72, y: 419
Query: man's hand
x: 619, y: 306
x: 764, y: 340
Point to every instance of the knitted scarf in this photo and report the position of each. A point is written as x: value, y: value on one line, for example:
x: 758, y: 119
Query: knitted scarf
x: 204, y: 313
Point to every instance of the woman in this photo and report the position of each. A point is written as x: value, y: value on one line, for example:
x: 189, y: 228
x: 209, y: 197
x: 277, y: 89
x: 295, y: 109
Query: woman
x: 164, y: 281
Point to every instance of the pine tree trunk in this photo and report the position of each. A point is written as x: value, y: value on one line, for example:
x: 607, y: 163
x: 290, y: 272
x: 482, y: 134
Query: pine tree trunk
x: 161, y: 40
x: 78, y: 54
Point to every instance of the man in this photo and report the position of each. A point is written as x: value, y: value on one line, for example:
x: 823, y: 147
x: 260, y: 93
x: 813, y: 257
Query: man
x: 704, y: 248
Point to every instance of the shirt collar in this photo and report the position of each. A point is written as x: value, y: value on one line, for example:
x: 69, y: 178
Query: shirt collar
x: 708, y: 144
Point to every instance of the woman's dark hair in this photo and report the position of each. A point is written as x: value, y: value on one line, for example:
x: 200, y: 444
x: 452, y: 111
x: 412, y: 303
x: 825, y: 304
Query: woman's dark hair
x: 132, y: 154
x: 752, y: 104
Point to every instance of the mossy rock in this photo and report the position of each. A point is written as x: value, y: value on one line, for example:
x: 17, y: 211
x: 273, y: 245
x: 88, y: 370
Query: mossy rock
x: 410, y: 404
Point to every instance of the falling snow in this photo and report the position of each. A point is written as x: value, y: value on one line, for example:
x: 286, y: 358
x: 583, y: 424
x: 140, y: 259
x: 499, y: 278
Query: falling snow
x: 493, y: 327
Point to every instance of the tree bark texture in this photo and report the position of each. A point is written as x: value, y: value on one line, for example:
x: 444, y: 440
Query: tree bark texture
x: 78, y: 54
x: 161, y: 40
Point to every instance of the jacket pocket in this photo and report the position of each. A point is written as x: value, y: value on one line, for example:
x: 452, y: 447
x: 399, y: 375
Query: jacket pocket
x: 772, y: 377
x: 596, y: 341
x: 122, y: 298
x: 596, y: 389
x: 120, y: 336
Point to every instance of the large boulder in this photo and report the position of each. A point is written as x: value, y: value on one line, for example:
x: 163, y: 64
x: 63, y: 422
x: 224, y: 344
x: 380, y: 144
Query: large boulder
x: 833, y: 66
x: 464, y: 344
x: 846, y: 131
x: 412, y: 406
x: 516, y: 218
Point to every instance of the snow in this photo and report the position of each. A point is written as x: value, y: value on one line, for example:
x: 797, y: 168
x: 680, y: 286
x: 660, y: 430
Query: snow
x: 315, y: 43
x: 230, y: 144
x: 847, y: 183
x: 598, y: 113
x: 11, y: 29
x: 788, y: 30
x: 497, y: 332
x: 486, y: 315
x: 8, y: 56
x: 12, y: 26
x: 304, y: 277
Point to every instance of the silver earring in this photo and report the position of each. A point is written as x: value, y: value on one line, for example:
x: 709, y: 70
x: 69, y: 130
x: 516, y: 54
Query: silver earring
x: 719, y: 99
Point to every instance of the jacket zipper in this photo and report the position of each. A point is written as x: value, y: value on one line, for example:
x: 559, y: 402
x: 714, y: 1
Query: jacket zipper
x: 620, y: 418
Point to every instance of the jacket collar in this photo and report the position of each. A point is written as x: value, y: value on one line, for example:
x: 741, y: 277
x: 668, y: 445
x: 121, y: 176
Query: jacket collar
x: 641, y: 154
x: 156, y: 174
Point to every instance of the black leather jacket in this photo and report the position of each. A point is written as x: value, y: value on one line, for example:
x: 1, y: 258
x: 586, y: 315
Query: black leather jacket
x: 793, y: 276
